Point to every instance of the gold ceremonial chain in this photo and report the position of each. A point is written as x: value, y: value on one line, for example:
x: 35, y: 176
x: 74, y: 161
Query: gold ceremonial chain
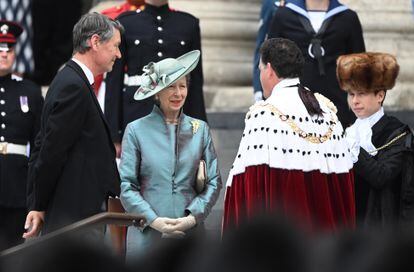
x: 389, y: 143
x: 307, y: 136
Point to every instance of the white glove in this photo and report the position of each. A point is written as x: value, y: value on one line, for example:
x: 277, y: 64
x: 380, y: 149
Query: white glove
x: 165, y: 224
x: 366, y: 139
x: 352, y: 139
x: 185, y: 223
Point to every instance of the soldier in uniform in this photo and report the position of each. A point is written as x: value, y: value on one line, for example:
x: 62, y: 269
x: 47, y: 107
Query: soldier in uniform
x: 21, y: 104
x: 153, y: 34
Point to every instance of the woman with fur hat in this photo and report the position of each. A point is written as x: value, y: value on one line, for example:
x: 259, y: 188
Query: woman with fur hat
x: 381, y: 145
x: 161, y: 154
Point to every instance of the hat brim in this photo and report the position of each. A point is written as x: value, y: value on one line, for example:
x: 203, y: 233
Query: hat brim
x: 189, y: 61
x: 13, y: 32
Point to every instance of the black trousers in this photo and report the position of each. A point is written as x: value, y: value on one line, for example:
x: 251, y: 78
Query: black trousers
x: 11, y: 226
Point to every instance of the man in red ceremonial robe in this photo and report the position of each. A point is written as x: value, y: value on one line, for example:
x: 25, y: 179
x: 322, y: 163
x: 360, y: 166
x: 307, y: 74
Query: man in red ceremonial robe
x: 292, y: 158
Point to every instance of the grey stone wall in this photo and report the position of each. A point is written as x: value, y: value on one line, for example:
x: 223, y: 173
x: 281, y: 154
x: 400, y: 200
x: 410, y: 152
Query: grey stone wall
x: 229, y: 30
x: 389, y: 27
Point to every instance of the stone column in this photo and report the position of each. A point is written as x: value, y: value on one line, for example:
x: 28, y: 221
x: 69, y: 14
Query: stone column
x: 228, y: 34
x: 228, y: 30
x: 229, y: 27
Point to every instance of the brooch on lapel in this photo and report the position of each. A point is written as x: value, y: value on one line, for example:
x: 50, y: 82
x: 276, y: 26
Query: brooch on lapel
x: 195, y: 124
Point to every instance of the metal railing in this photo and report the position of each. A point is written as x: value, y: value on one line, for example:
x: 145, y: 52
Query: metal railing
x: 106, y: 218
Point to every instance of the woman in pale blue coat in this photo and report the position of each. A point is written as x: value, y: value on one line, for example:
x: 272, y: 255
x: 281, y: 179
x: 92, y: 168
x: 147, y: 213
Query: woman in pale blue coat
x: 160, y: 158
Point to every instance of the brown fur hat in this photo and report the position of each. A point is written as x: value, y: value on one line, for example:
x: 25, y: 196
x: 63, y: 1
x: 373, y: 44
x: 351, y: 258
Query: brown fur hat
x: 367, y: 71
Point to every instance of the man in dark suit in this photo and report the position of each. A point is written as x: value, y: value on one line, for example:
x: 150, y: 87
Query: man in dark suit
x: 153, y: 34
x: 73, y: 166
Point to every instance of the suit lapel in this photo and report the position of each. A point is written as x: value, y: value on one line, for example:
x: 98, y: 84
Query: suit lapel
x: 79, y: 71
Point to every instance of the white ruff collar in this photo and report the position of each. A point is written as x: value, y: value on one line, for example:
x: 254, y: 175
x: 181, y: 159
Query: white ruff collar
x: 371, y: 120
x: 267, y: 139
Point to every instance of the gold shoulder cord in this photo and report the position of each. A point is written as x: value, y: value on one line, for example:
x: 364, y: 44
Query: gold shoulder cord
x: 389, y: 143
x: 307, y: 136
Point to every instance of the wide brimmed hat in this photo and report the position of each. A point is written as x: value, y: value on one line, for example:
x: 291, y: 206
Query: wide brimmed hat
x: 158, y: 76
x: 368, y: 72
x: 9, y: 32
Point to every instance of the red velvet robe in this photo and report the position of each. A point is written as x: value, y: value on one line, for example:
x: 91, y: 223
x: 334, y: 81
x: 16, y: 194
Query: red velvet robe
x: 312, y: 200
x: 277, y: 170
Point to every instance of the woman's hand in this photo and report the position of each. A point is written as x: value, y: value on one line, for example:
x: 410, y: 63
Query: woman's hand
x: 185, y: 223
x: 164, y: 224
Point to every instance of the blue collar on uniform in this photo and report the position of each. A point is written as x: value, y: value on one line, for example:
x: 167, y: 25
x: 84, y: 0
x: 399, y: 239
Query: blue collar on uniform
x: 299, y: 6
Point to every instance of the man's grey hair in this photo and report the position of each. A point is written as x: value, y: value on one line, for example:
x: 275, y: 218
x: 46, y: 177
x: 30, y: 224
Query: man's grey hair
x: 90, y: 24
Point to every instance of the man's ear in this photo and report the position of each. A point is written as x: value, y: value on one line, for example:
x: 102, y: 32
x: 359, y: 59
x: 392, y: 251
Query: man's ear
x: 94, y: 41
x: 270, y: 70
x: 381, y: 97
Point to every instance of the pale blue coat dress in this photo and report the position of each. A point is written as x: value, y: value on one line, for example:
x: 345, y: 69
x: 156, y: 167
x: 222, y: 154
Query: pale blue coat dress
x: 158, y: 167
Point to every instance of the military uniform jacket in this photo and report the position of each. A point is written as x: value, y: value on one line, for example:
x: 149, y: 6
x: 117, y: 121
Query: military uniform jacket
x: 151, y: 35
x: 72, y: 167
x: 384, y: 182
x: 158, y: 170
x: 21, y: 104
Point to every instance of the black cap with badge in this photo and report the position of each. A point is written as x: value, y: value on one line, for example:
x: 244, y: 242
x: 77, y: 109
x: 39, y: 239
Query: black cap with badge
x: 9, y: 32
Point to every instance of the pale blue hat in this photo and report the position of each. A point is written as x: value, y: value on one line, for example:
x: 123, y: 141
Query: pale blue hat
x: 158, y: 76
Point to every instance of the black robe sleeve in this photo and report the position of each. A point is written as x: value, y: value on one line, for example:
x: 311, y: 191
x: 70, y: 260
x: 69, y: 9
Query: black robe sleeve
x: 380, y: 171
